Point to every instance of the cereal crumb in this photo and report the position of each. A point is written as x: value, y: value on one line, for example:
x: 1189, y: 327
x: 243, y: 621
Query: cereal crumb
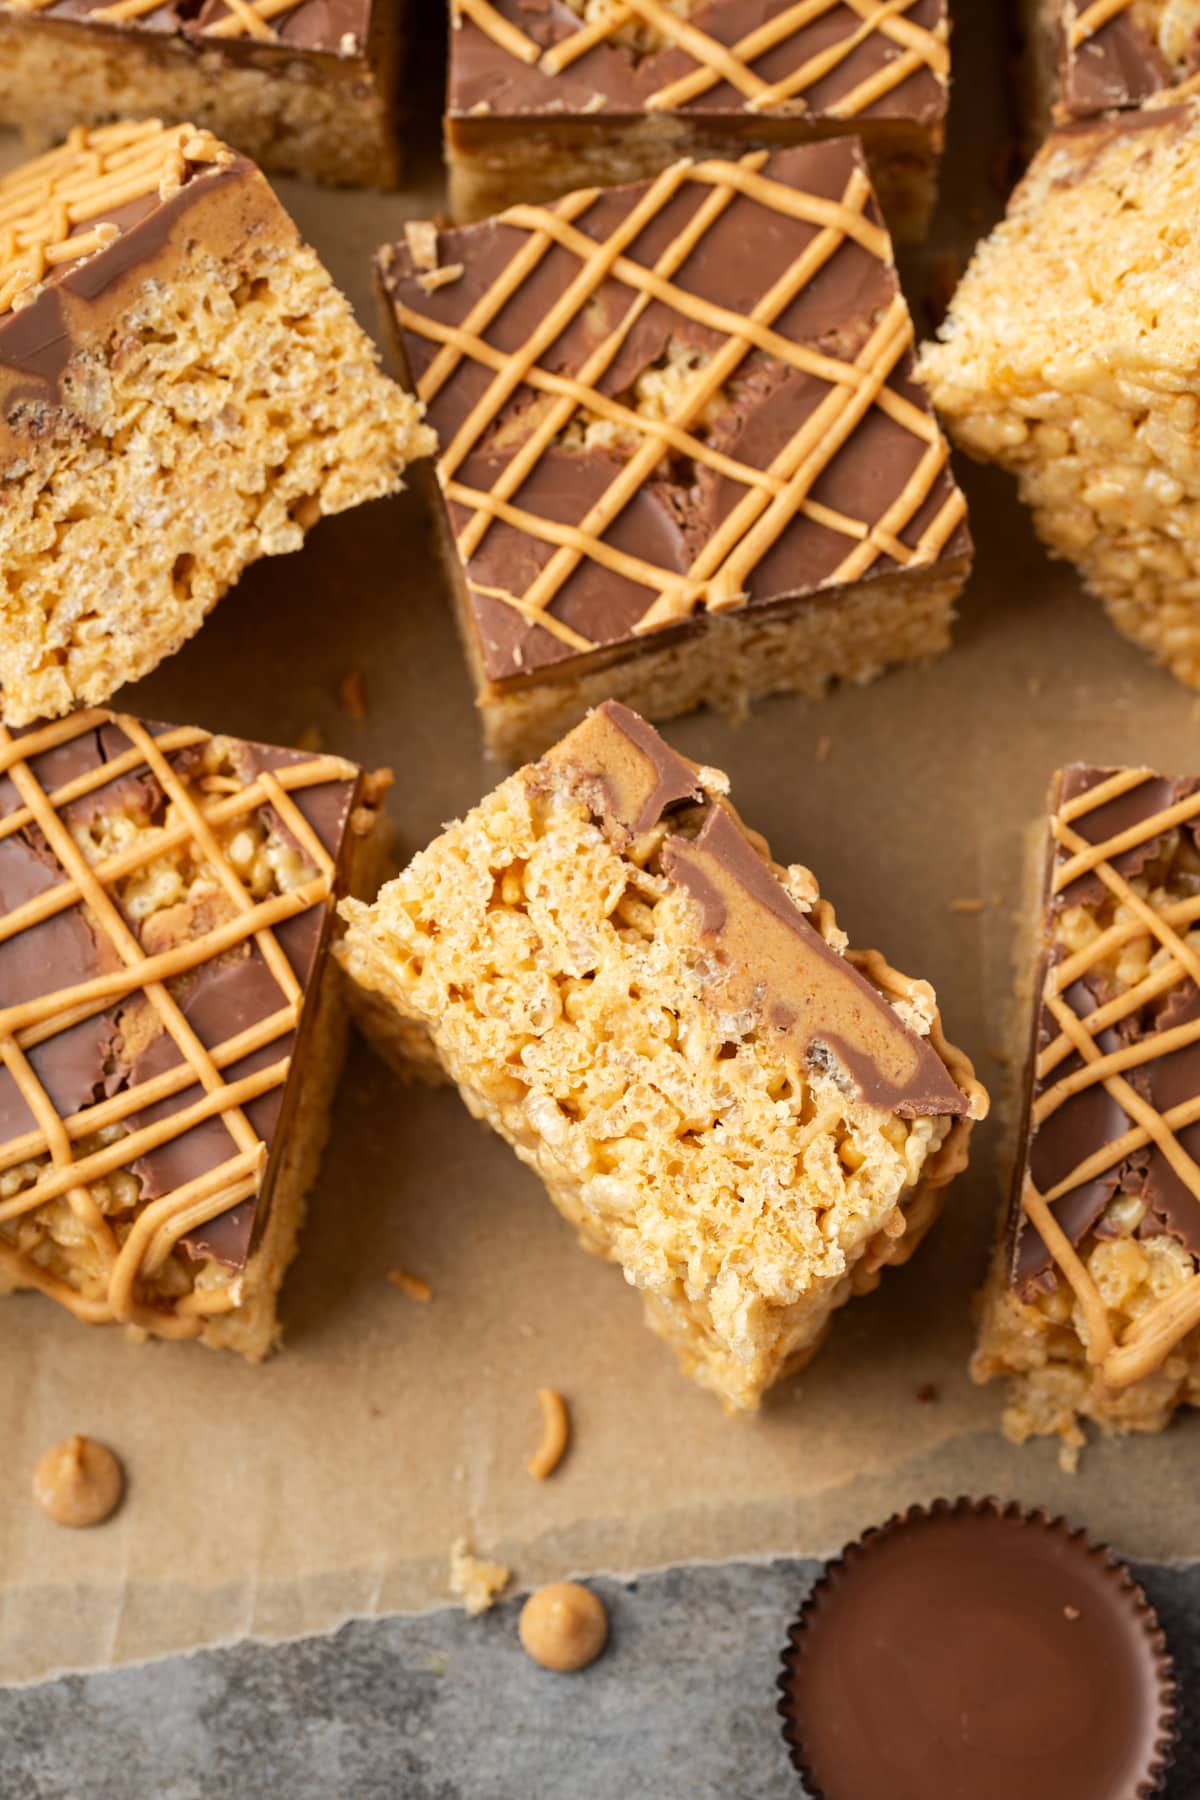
x: 564, y: 1627
x: 970, y: 905
x: 475, y: 1581
x: 1070, y: 1612
x: 411, y: 1285
x: 421, y: 237
x: 352, y: 694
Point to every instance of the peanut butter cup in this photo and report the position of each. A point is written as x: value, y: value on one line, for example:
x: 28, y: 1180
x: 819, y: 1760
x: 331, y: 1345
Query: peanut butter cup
x: 969, y: 1651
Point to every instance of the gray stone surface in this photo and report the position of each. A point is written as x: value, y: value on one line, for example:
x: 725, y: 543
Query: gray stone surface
x: 449, y: 1708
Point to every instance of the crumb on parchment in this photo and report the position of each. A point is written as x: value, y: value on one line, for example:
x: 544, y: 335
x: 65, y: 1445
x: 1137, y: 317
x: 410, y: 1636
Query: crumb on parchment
x: 475, y: 1581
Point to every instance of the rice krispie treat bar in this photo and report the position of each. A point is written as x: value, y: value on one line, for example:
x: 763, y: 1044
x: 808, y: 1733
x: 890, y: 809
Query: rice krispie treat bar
x: 305, y: 87
x: 1092, y: 1307
x: 182, y: 391
x: 1085, y: 57
x: 171, y: 1027
x: 543, y: 99
x: 683, y: 457
x: 747, y: 1117
x: 1070, y: 357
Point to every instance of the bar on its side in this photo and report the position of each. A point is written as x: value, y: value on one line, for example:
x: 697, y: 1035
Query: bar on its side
x: 1093, y: 1301
x: 683, y: 457
x: 182, y: 391
x: 747, y: 1117
x: 545, y: 99
x: 171, y: 1024
x: 1069, y: 357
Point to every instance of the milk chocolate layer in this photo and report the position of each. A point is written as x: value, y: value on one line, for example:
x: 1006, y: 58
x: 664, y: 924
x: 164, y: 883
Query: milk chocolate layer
x: 833, y: 45
x: 675, y: 513
x: 1089, y: 1120
x: 320, y: 27
x: 968, y: 1651
x: 1117, y: 66
x: 38, y: 340
x: 769, y: 960
x: 127, y: 1044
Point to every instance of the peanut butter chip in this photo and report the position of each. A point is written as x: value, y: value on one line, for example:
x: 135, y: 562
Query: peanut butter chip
x: 564, y: 1626
x: 78, y: 1482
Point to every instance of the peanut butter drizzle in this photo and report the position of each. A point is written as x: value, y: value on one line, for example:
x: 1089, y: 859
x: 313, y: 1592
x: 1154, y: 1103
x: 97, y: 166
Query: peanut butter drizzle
x: 773, y: 496
x: 1144, y: 1345
x: 1089, y: 19
x: 93, y: 172
x: 917, y: 47
x: 164, y: 1221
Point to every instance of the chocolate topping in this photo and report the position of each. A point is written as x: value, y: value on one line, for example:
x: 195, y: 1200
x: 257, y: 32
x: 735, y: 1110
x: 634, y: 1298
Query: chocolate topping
x: 1087, y: 1121
x: 768, y: 959
x: 675, y: 779
x: 327, y: 27
x: 837, y: 1022
x: 833, y: 46
x: 678, y: 509
x: 1070, y: 1134
x: 1116, y: 66
x: 969, y: 1653
x: 126, y: 1045
x: 38, y: 340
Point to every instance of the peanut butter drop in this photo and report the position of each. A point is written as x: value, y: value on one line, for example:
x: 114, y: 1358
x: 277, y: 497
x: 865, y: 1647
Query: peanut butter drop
x: 78, y: 1482
x: 564, y: 1626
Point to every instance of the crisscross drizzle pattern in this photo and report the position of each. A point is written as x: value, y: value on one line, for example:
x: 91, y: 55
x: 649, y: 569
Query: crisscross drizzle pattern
x: 1077, y: 1051
x: 908, y: 49
x: 242, y: 18
x: 1084, y: 19
x: 62, y: 1158
x: 769, y: 495
x: 48, y: 205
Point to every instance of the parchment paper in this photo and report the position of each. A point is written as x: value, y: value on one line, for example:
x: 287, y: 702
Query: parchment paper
x: 330, y: 1482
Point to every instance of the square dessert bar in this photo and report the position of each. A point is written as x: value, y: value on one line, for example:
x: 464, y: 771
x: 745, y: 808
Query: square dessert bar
x: 1070, y: 357
x: 305, y: 87
x: 546, y: 98
x: 748, y: 1118
x: 171, y: 1027
x: 1085, y: 57
x: 1093, y: 1302
x: 682, y: 454
x: 182, y: 391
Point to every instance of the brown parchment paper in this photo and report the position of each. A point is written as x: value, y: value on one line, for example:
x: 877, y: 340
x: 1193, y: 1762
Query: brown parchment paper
x: 281, y: 1500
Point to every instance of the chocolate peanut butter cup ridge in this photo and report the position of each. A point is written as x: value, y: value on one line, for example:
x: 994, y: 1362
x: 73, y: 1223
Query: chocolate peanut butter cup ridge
x: 974, y: 1651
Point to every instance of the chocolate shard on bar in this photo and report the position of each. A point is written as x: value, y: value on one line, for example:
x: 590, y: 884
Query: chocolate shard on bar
x: 1096, y: 1287
x: 167, y: 1044
x: 182, y: 391
x: 820, y: 1005
x: 750, y: 1120
x: 540, y: 96
x: 1111, y: 55
x: 306, y: 87
x: 676, y: 416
